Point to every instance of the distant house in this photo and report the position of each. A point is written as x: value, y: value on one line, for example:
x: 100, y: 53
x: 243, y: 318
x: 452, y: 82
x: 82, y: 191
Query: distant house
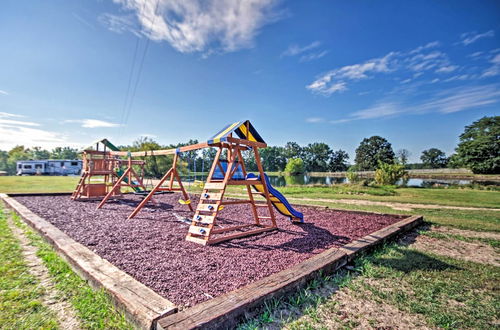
x: 49, y: 167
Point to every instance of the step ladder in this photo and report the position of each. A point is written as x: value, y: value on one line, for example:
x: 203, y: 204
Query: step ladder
x: 204, y: 216
x: 78, y: 190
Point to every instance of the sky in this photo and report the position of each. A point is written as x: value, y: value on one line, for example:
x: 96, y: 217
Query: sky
x: 413, y: 72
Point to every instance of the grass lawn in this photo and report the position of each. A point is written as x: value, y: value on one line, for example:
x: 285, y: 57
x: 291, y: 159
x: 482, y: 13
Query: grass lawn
x: 435, y: 290
x: 37, y: 184
x: 451, y: 197
x: 20, y: 293
x: 20, y: 306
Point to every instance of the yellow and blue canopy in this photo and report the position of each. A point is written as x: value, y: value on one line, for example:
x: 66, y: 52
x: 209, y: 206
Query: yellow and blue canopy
x: 240, y: 128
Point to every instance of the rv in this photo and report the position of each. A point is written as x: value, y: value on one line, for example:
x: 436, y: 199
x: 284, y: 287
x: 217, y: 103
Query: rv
x: 49, y: 167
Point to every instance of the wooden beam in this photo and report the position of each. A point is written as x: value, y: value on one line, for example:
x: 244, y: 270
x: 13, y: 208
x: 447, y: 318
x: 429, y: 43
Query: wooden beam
x: 161, y: 152
x: 142, y: 305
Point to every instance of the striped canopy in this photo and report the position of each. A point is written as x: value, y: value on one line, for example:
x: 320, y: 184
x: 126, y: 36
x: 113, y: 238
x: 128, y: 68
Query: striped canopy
x: 240, y: 128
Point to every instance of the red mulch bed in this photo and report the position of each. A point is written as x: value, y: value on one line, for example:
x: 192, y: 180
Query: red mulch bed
x: 151, y: 247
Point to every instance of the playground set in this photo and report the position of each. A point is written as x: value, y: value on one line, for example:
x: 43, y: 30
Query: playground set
x: 152, y: 269
x: 113, y: 173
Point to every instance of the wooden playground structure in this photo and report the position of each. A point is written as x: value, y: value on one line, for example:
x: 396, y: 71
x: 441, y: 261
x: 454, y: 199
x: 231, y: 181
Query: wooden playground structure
x: 228, y: 169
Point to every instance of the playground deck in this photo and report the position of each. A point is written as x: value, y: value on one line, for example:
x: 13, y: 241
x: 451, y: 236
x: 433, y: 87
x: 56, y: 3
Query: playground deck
x: 152, y: 247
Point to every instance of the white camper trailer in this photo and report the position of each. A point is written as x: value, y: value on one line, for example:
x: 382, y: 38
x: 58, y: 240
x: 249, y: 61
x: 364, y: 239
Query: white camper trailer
x: 49, y: 167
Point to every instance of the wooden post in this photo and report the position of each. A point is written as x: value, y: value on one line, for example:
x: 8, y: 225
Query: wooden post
x: 264, y: 184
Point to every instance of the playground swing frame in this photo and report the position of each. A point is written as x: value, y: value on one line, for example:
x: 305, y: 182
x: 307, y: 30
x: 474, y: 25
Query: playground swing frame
x: 203, y: 226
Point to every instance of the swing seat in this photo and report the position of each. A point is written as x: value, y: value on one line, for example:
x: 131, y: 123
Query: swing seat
x: 146, y: 192
x: 184, y: 202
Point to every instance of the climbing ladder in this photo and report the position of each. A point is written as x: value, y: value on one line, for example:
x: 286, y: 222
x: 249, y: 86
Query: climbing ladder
x: 204, y: 223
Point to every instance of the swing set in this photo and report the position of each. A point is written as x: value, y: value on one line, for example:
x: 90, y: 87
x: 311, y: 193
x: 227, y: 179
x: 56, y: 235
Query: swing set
x: 226, y: 171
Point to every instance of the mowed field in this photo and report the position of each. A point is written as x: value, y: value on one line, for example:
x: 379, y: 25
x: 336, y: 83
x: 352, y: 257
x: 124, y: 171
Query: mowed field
x: 444, y: 274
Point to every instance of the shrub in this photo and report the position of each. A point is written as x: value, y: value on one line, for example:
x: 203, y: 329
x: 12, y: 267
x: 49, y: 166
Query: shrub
x: 295, y: 166
x: 389, y: 174
x: 352, y: 176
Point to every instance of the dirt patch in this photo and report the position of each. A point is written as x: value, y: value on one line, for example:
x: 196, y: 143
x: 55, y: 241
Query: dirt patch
x: 476, y: 252
x: 466, y: 233
x: 152, y: 246
x: 358, y: 309
x: 51, y: 297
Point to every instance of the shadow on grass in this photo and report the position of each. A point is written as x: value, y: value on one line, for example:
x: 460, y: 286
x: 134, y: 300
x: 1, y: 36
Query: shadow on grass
x: 412, y: 260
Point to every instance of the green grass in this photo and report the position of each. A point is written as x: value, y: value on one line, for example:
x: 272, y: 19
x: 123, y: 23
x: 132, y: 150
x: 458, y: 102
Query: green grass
x: 20, y: 293
x: 448, y: 292
x: 37, y: 184
x: 452, y: 196
x: 93, y: 307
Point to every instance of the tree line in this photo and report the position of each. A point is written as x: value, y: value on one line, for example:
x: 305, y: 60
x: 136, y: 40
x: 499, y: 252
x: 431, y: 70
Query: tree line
x: 478, y: 150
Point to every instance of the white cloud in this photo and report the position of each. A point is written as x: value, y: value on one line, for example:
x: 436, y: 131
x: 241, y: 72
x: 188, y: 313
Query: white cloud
x: 120, y: 23
x: 334, y: 80
x: 295, y: 49
x: 92, y: 123
x: 447, y: 69
x: 494, y: 69
x: 313, y: 56
x: 460, y: 99
x: 3, y: 92
x: 424, y: 47
x: 447, y: 101
x: 202, y: 26
x: 17, y: 132
x: 416, y: 62
x: 471, y: 37
x: 315, y: 120
x: 377, y: 111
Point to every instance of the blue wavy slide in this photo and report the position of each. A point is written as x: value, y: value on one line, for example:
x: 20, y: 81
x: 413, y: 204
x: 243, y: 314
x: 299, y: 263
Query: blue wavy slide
x: 279, y: 201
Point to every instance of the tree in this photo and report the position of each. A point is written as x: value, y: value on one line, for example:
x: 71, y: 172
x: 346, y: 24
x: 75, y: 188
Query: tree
x: 295, y: 166
x: 338, y: 161
x: 317, y: 157
x: 389, y: 174
x: 371, y: 151
x: 64, y: 153
x: 273, y: 158
x: 403, y: 155
x: 292, y: 150
x: 156, y: 166
x: 434, y: 158
x: 39, y: 153
x: 15, y: 154
x: 479, y: 147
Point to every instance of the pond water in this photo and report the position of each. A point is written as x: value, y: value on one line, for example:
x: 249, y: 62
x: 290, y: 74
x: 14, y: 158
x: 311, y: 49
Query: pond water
x: 282, y: 181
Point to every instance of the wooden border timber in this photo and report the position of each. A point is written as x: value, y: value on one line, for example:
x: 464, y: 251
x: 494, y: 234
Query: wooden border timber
x: 224, y: 312
x: 141, y: 305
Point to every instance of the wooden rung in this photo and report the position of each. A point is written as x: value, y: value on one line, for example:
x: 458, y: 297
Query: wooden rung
x: 222, y: 230
x: 214, y: 185
x: 211, y: 196
x: 197, y: 230
x: 236, y: 202
x: 196, y: 240
x: 204, y: 219
x: 261, y: 205
x: 207, y: 207
x: 238, y: 235
x: 264, y: 218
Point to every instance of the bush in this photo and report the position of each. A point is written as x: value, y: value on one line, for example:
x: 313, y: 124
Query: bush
x: 352, y: 175
x: 295, y: 166
x: 389, y: 174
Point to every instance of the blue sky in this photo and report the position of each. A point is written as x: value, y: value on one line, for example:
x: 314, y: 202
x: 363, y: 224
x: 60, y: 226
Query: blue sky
x: 414, y: 72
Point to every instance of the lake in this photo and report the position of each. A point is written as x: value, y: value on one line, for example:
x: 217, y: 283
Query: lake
x: 282, y: 181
